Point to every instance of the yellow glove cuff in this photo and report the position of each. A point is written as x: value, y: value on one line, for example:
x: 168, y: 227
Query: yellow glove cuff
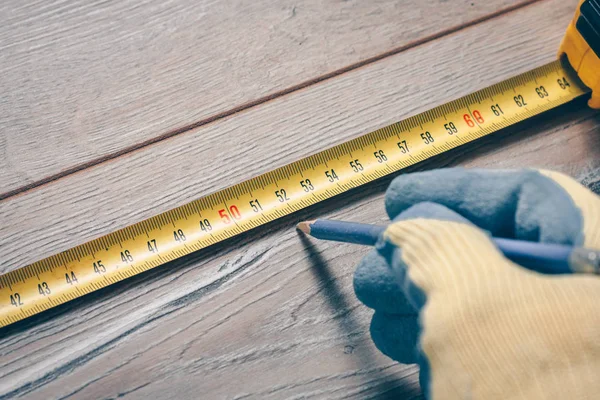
x: 587, y: 202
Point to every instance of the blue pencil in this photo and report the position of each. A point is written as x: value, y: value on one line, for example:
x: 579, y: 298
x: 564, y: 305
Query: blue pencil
x: 541, y: 257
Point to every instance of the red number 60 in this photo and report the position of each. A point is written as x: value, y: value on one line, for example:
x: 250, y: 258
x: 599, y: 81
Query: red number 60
x: 476, y: 115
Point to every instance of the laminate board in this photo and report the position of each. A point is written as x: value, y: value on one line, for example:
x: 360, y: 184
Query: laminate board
x: 86, y: 81
x: 154, y: 179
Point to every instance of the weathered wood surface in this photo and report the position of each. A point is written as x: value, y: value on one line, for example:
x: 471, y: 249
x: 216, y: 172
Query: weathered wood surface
x: 83, y: 81
x: 170, y: 173
x: 265, y: 315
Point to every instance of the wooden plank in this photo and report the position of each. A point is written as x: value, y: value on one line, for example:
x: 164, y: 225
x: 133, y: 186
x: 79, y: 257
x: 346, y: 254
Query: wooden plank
x: 171, y: 173
x: 84, y: 81
x: 265, y: 315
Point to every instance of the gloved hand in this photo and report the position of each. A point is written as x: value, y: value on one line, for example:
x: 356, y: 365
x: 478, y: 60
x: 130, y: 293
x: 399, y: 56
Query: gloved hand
x: 480, y: 326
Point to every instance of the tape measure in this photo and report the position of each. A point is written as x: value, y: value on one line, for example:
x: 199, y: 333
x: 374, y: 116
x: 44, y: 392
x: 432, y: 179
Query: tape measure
x: 130, y: 251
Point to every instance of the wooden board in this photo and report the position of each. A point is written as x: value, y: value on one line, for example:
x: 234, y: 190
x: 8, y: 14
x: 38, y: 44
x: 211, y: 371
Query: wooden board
x: 170, y: 173
x: 85, y: 81
x: 267, y: 314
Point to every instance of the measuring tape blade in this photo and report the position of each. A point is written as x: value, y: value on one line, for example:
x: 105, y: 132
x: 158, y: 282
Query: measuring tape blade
x: 130, y: 251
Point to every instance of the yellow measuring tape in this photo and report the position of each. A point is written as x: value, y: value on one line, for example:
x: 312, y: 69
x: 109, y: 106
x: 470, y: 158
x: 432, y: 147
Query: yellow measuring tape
x: 218, y: 216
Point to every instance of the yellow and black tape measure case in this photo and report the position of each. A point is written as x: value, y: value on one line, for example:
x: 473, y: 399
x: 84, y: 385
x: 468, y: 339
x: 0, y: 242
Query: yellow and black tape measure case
x: 581, y: 46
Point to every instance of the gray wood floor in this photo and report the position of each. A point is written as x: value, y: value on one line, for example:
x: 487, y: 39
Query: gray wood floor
x: 113, y: 112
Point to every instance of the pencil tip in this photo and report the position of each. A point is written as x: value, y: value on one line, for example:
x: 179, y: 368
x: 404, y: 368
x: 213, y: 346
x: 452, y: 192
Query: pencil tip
x: 304, y: 226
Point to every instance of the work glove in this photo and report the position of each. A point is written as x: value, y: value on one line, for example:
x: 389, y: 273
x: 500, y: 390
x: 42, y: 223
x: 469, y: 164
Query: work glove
x: 479, y: 325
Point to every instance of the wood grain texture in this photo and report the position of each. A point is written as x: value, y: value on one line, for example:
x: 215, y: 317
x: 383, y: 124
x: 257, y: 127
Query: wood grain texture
x: 171, y: 173
x: 266, y: 314
x: 82, y: 81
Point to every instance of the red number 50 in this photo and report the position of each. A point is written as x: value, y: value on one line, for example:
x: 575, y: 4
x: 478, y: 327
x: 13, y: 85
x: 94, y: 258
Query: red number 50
x: 233, y: 211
